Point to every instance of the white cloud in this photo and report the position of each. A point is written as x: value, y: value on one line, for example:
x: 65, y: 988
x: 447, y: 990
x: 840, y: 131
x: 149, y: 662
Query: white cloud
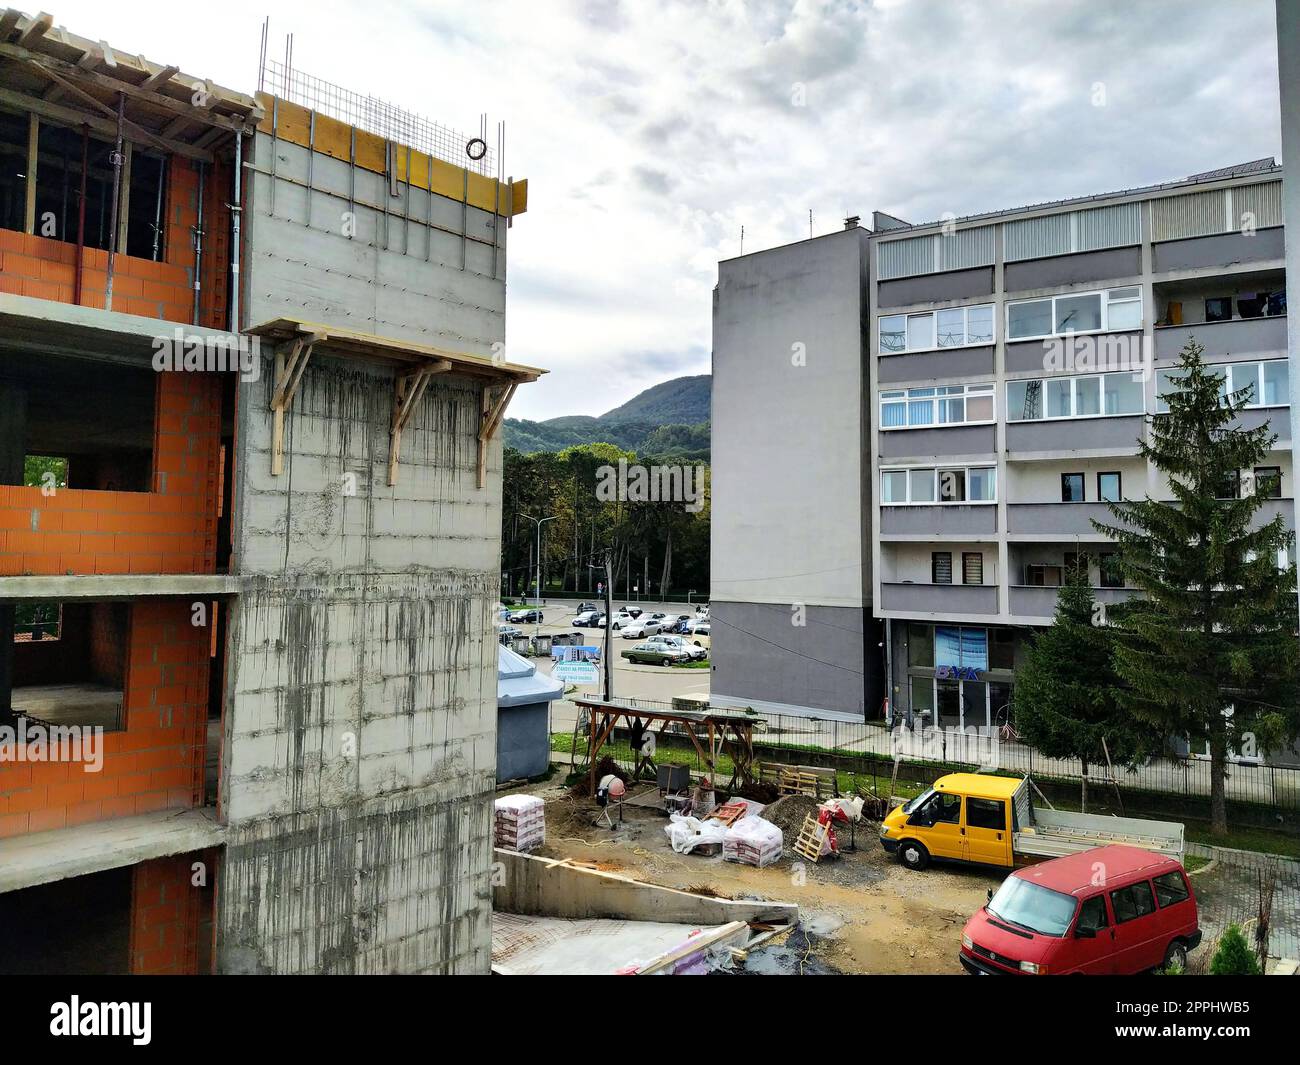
x: 651, y: 132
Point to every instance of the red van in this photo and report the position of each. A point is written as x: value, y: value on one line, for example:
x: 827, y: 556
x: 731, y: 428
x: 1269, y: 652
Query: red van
x: 1109, y: 910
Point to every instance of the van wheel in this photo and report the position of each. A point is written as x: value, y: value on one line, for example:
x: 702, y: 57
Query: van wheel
x: 1176, y: 956
x: 913, y: 854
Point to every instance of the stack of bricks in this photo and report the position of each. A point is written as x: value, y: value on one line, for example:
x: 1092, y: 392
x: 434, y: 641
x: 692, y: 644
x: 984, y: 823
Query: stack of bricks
x: 155, y: 762
x: 172, y: 529
x: 44, y: 268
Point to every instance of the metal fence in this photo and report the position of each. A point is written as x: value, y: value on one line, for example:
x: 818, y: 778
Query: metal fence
x: 784, y: 737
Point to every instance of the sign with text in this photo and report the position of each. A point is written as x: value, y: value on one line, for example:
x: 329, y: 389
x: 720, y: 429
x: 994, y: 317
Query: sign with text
x: 576, y: 673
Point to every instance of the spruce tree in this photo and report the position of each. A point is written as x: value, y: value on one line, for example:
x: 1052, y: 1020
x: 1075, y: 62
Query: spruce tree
x: 1065, y: 697
x: 1233, y: 956
x: 1209, y: 650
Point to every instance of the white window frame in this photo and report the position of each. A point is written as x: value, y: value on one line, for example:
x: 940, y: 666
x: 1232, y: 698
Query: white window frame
x: 937, y: 501
x: 1074, y: 398
x: 907, y: 396
x: 934, y: 314
x: 1231, y: 383
x: 1106, y: 296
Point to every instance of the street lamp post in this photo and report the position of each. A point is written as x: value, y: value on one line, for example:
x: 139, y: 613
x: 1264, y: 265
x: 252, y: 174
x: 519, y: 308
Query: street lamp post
x: 539, y: 522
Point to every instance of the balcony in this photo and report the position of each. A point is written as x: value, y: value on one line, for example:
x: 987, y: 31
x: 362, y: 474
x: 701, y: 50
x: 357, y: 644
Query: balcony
x: 939, y: 442
x: 944, y: 519
x: 939, y: 599
x: 1062, y: 437
x: 1236, y: 336
x: 1037, y: 605
x: 1056, y: 519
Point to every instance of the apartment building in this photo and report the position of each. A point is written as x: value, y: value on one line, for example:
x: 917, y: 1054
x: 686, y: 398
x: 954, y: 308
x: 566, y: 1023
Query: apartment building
x: 251, y: 378
x: 1009, y: 360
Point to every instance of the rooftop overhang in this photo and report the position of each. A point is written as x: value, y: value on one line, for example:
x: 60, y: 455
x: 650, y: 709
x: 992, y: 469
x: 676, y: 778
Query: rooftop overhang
x: 34, y: 326
x: 58, y: 76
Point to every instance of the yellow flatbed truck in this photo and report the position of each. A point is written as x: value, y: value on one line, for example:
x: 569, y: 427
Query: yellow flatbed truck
x: 991, y: 820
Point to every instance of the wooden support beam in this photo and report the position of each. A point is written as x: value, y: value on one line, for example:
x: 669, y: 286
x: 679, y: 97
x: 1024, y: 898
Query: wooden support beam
x: 63, y: 72
x: 159, y: 77
x: 491, y: 419
x: 33, y: 141
x: 290, y: 362
x: 76, y: 117
x: 407, y: 393
x: 124, y: 203
x: 38, y: 28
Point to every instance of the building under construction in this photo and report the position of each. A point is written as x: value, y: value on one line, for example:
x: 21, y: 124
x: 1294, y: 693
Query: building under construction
x: 251, y: 379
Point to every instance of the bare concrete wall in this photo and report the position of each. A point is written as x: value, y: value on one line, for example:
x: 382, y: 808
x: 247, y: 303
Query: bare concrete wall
x: 360, y: 728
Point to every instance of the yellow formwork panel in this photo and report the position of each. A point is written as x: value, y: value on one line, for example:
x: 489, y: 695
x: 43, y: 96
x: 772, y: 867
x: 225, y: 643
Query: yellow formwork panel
x: 292, y: 122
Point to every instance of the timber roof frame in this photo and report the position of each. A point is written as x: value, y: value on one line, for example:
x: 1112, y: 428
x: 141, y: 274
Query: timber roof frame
x: 71, y: 80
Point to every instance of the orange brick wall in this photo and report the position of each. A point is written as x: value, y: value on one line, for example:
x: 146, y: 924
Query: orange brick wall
x: 166, y: 913
x: 46, y: 269
x: 155, y: 763
x: 172, y: 529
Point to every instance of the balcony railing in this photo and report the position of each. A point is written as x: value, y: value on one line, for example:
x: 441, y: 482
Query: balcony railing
x: 1238, y: 336
x: 940, y: 598
x: 1036, y: 604
x: 951, y: 518
x: 1056, y: 519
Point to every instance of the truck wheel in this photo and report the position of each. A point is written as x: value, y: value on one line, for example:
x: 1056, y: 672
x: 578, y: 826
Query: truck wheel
x: 913, y: 854
x: 1176, y: 955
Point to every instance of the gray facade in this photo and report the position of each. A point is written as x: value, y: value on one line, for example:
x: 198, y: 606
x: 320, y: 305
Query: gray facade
x: 789, y: 529
x: 1107, y: 285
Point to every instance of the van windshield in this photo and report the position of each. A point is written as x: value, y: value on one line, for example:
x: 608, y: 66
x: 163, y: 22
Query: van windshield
x: 1030, y: 906
x: 912, y: 804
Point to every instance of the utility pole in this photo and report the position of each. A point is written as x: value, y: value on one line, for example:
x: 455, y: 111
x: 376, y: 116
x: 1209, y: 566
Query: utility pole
x: 607, y: 655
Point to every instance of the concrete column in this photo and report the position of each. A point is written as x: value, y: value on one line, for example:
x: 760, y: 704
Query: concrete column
x: 13, y: 453
x: 1288, y: 65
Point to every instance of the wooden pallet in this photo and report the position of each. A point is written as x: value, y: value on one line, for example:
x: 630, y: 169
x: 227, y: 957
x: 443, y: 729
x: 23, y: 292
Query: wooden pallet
x: 811, y: 781
x: 811, y: 838
x: 728, y: 813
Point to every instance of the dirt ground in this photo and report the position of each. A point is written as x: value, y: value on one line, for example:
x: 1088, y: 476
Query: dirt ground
x: 860, y: 913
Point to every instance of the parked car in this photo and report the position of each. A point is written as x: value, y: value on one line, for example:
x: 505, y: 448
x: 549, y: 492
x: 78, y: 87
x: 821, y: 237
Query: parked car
x: 582, y: 608
x: 639, y: 629
x: 508, y: 632
x: 1059, y: 917
x: 694, y: 651
x: 699, y: 627
x: 653, y: 654
x: 524, y: 617
x: 635, y: 611
x: 589, y: 619
x: 621, y: 620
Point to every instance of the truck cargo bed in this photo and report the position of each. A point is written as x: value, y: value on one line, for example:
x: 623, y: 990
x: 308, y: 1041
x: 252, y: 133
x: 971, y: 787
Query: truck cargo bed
x: 1058, y: 832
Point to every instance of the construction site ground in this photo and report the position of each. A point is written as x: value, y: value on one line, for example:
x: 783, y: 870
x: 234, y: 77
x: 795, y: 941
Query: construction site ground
x: 859, y: 913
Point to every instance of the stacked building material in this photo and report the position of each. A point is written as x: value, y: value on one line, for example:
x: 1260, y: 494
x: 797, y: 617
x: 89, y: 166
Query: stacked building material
x: 752, y: 841
x: 519, y: 822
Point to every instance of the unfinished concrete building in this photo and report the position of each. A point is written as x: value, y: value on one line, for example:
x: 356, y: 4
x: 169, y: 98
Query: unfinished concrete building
x: 252, y: 374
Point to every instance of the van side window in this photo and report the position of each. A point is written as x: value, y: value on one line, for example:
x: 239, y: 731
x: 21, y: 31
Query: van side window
x: 986, y: 813
x: 1170, y: 888
x: 1133, y: 901
x: 949, y: 811
x: 1092, y: 914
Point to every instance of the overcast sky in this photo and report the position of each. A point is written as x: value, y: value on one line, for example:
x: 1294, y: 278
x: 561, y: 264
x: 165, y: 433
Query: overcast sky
x: 651, y: 131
